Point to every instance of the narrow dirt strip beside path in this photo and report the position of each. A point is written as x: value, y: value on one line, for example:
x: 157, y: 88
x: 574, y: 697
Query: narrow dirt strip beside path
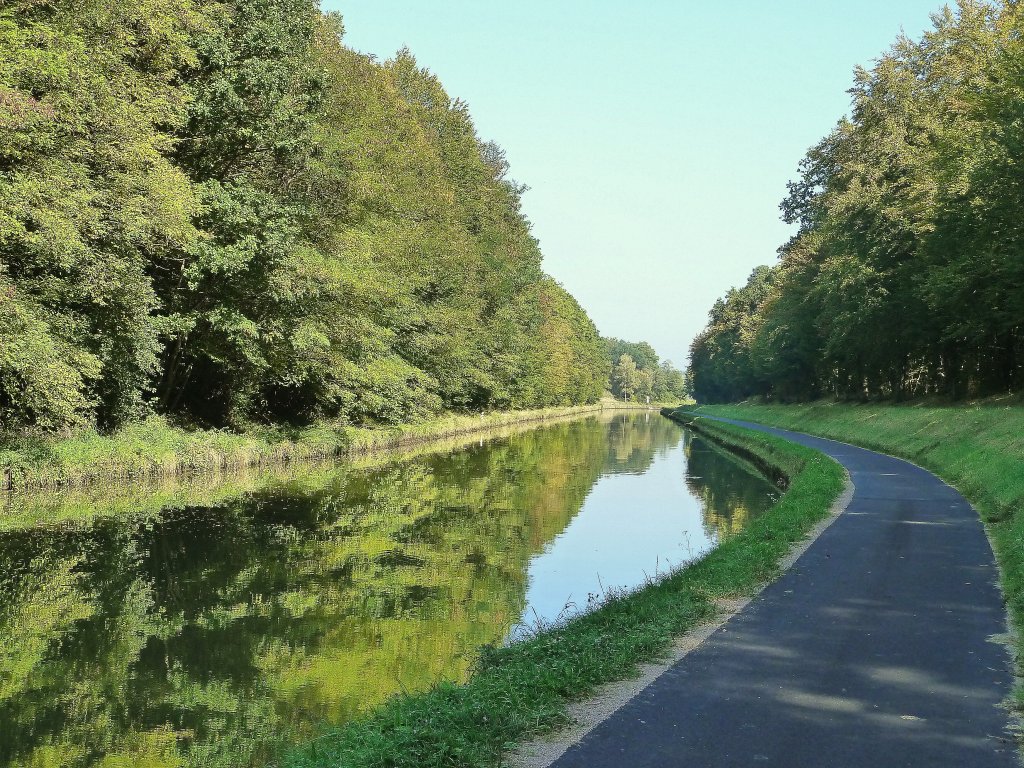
x: 880, y: 646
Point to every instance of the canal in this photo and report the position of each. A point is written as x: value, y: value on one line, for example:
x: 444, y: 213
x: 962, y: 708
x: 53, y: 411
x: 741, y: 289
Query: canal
x: 209, y: 634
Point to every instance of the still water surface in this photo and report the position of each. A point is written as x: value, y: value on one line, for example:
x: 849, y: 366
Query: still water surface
x: 208, y: 635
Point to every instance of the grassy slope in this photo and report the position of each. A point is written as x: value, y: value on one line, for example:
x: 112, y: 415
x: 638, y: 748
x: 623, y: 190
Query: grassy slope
x: 150, y: 494
x: 978, y: 449
x: 521, y: 690
x: 153, y: 447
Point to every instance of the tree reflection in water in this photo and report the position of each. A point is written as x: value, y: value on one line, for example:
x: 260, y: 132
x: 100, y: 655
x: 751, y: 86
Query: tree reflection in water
x: 206, y: 635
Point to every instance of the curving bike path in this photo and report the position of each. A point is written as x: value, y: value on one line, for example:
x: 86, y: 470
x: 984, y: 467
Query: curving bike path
x: 874, y: 649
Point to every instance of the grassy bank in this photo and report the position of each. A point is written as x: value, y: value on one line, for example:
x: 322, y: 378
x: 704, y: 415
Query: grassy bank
x: 522, y: 690
x: 978, y: 449
x: 155, y: 448
x: 78, y: 504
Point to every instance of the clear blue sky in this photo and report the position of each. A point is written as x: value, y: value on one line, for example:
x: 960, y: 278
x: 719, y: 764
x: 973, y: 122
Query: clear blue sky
x: 656, y: 137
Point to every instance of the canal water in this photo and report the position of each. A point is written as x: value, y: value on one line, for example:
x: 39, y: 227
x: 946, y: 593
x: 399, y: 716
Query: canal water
x: 211, y: 633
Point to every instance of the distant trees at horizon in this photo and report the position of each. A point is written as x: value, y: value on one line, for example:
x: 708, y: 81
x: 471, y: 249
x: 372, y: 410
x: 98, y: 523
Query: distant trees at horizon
x: 637, y: 373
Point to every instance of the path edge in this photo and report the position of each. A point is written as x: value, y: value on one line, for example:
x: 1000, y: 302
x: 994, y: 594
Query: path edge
x: 1015, y: 712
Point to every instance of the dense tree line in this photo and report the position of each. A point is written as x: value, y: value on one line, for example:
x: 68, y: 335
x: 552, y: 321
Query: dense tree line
x: 906, y: 276
x: 218, y: 211
x: 637, y: 373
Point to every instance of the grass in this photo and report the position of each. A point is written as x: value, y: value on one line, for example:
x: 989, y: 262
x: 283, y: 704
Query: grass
x: 978, y: 449
x: 148, y: 495
x: 521, y: 690
x: 156, y: 448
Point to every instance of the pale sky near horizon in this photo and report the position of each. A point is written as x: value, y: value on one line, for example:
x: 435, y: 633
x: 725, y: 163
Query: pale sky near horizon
x: 656, y: 137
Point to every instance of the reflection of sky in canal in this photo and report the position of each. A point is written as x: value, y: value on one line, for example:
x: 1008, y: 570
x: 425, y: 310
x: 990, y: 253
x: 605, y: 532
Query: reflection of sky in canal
x: 634, y: 526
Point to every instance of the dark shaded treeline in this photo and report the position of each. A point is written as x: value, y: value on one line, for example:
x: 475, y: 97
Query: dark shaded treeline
x: 906, y: 276
x: 218, y: 211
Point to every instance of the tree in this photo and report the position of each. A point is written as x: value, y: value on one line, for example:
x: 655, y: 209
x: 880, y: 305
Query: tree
x: 88, y: 197
x: 643, y: 354
x: 721, y: 368
x: 905, y: 276
x: 223, y: 214
x: 669, y: 383
x: 626, y: 379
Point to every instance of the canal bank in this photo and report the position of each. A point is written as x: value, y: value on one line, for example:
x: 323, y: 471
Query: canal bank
x: 149, y: 493
x: 155, y: 448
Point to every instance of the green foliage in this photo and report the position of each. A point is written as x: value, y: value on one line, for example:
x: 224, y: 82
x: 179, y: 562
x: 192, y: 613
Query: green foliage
x: 88, y: 195
x: 906, y: 275
x: 220, y: 213
x: 641, y: 352
x: 625, y: 378
x: 638, y: 374
x: 720, y: 357
x: 42, y: 378
x: 573, y: 367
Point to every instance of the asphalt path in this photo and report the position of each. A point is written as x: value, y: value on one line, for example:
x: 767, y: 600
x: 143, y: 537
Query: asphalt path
x: 875, y: 649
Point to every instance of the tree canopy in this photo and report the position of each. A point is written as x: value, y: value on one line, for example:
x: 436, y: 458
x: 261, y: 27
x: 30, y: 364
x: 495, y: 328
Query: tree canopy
x: 637, y: 373
x: 906, y: 276
x: 219, y: 212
